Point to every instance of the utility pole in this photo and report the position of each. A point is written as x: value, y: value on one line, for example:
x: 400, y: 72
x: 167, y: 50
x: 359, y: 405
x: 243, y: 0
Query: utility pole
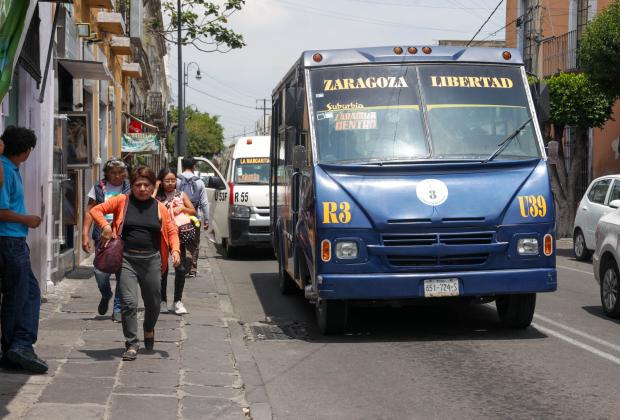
x: 264, y: 109
x: 181, y: 144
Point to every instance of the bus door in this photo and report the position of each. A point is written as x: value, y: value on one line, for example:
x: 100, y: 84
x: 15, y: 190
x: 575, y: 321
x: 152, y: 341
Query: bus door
x: 217, y: 193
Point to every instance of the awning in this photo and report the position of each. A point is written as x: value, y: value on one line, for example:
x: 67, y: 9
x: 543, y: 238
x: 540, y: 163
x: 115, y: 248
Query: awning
x: 133, y: 117
x: 140, y: 143
x: 83, y: 69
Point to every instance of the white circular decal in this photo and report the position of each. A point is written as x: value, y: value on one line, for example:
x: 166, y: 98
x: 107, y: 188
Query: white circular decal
x: 432, y: 192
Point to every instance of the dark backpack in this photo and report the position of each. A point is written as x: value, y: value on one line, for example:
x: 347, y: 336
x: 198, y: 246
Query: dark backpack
x: 190, y: 187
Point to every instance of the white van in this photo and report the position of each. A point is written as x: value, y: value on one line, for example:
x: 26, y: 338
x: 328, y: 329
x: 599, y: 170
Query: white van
x: 239, y: 195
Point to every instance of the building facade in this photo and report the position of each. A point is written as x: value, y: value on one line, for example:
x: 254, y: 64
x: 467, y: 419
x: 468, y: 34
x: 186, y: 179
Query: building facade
x: 81, y: 93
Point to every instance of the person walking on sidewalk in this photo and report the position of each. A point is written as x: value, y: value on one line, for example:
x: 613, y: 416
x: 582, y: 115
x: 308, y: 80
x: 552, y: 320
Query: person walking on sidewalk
x: 21, y: 295
x: 180, y: 208
x: 196, y: 190
x: 150, y: 236
x: 114, y: 183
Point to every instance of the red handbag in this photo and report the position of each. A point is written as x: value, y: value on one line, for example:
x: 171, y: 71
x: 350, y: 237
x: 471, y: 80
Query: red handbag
x: 109, y: 258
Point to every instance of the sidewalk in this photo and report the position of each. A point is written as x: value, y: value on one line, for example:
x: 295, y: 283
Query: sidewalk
x: 191, y: 374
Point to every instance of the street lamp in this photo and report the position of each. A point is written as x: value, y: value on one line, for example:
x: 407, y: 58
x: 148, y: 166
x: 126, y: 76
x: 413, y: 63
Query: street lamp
x: 198, y: 76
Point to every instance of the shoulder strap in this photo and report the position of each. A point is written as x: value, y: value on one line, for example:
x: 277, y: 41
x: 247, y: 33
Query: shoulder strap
x: 120, y: 228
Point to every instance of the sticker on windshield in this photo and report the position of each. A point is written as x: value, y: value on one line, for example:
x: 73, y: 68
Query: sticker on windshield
x: 338, y: 105
x: 472, y: 82
x: 255, y: 160
x: 432, y: 192
x: 356, y: 121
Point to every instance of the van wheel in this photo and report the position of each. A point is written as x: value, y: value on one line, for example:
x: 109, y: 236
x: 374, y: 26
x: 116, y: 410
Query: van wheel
x: 331, y: 316
x: 609, y: 290
x: 516, y: 311
x: 579, y: 247
x: 229, y: 250
x: 287, y: 284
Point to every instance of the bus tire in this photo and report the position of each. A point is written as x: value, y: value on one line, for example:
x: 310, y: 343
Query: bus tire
x: 286, y: 283
x: 331, y: 316
x: 516, y: 311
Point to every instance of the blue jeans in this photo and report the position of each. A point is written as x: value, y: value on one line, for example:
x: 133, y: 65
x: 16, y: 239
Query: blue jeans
x: 103, y: 283
x: 21, y: 296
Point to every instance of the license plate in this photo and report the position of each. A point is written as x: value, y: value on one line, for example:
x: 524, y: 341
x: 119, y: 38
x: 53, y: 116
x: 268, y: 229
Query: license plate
x: 441, y: 287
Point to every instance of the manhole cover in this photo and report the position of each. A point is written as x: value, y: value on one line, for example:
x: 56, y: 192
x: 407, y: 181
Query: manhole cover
x: 270, y: 332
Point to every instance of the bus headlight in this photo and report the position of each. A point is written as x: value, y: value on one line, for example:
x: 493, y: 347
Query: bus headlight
x: 527, y: 246
x: 242, y: 212
x: 346, y: 250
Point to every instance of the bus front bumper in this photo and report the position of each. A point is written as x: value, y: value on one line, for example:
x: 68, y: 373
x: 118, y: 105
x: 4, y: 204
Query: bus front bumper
x: 411, y: 285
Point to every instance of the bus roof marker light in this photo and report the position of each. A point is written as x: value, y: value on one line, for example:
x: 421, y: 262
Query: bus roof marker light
x: 412, y: 50
x: 506, y: 55
x: 248, y: 141
x: 427, y: 50
x: 398, y: 50
x: 317, y: 57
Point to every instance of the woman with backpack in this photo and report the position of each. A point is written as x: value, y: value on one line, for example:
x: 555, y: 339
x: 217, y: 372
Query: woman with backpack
x: 180, y: 208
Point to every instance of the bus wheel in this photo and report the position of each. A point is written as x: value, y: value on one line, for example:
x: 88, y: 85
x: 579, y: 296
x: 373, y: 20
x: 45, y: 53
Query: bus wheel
x: 331, y: 316
x: 516, y: 311
x: 287, y: 284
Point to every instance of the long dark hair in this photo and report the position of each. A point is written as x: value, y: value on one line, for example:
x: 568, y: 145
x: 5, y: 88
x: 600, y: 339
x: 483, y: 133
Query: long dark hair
x: 161, y: 195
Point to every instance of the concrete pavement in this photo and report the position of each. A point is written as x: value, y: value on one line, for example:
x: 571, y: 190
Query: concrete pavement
x: 192, y: 373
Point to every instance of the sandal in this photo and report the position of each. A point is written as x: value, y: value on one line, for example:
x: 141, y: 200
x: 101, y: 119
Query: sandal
x: 130, y: 354
x: 149, y: 342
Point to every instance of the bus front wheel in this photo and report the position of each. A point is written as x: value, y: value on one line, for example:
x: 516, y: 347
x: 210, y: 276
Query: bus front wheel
x: 331, y: 316
x: 516, y: 311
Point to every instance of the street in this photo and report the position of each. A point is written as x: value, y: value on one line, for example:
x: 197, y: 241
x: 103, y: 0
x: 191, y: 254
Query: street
x: 440, y: 361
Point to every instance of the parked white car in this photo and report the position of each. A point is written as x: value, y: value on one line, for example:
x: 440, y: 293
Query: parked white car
x: 606, y: 258
x: 593, y: 206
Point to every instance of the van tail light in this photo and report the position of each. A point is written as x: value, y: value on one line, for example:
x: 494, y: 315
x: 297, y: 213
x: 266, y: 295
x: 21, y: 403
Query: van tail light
x: 230, y: 197
x: 326, y: 250
x: 548, y: 245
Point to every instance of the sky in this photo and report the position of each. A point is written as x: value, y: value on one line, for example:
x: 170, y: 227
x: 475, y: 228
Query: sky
x: 278, y: 31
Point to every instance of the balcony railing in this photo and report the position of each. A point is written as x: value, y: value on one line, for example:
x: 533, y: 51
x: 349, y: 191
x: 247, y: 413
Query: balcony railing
x: 560, y: 54
x: 154, y: 105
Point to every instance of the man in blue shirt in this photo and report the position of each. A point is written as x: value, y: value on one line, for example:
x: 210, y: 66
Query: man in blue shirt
x: 21, y: 296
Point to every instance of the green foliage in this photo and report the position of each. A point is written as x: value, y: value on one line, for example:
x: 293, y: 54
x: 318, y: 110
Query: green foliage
x: 577, y: 101
x: 599, y: 49
x: 202, y: 23
x: 205, y: 135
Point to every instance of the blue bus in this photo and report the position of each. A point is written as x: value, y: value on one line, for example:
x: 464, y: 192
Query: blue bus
x: 410, y: 172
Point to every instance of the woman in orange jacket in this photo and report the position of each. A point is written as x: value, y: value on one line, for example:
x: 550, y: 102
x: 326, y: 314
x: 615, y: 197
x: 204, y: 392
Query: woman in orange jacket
x: 149, y: 235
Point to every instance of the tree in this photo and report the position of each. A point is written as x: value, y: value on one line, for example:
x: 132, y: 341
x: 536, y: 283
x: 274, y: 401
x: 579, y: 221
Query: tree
x: 577, y: 101
x: 202, y: 23
x: 205, y: 135
x: 599, y: 49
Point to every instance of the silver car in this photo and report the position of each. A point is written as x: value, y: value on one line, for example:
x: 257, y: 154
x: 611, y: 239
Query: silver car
x: 593, y: 205
x: 606, y: 259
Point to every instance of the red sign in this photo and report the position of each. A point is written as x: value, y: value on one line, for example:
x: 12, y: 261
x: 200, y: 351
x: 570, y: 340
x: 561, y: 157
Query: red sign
x: 135, y: 127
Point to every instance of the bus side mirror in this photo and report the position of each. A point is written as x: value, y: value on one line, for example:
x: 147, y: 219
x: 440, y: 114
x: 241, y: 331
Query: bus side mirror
x: 299, y: 157
x: 540, y: 95
x: 216, y: 183
x: 293, y: 106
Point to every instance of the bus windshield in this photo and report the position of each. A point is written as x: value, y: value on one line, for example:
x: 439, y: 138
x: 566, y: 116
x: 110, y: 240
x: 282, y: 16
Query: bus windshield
x: 252, y: 170
x: 416, y: 112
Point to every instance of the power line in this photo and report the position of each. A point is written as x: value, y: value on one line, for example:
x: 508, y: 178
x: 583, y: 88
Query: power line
x: 217, y: 97
x: 485, y: 22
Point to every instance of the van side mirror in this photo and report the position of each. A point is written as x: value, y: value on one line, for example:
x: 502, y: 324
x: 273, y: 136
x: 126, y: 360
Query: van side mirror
x: 299, y: 157
x: 293, y: 106
x: 614, y: 204
x: 215, y: 182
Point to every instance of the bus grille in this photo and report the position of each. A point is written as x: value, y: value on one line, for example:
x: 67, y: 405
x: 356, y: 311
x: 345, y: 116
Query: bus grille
x: 473, y: 238
x: 429, y: 261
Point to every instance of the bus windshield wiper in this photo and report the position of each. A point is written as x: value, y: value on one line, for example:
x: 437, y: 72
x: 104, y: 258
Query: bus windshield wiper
x: 506, y: 142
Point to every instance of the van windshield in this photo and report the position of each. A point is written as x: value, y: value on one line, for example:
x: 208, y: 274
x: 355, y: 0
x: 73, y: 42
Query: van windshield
x: 252, y: 170
x: 417, y: 112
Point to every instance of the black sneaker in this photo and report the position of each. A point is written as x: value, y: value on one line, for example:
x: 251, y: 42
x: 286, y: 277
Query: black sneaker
x: 28, y: 360
x: 102, y: 309
x: 6, y: 364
